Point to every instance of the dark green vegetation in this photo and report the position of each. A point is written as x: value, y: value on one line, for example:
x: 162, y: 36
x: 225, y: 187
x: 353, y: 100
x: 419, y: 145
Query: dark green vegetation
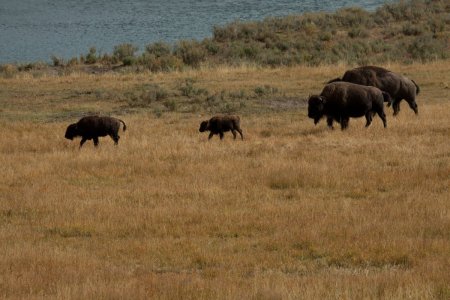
x: 402, y: 32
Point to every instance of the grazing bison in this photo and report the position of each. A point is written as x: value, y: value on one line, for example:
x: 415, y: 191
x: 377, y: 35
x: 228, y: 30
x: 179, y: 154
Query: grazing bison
x: 340, y: 101
x: 92, y: 127
x: 396, y: 85
x: 220, y: 124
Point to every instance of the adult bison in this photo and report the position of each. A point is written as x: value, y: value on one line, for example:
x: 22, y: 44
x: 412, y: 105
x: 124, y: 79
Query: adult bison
x: 92, y: 127
x: 397, y: 86
x: 220, y: 124
x: 340, y: 101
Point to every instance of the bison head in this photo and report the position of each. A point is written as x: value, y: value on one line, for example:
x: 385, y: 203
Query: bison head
x: 203, y: 126
x: 71, y: 131
x: 315, y: 108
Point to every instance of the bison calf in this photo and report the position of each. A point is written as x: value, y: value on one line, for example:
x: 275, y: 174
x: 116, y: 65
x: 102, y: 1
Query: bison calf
x: 92, y: 127
x: 340, y: 101
x: 220, y: 124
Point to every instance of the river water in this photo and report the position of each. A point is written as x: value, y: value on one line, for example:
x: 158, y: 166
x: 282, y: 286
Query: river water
x: 32, y: 30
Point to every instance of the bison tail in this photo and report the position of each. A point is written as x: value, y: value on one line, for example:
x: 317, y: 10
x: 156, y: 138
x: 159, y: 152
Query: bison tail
x: 417, y: 87
x: 387, y: 98
x: 124, y: 125
x: 334, y: 80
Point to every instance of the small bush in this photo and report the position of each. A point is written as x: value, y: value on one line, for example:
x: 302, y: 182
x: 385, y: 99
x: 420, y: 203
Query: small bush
x: 265, y: 90
x: 91, y: 57
x: 8, y: 70
x: 129, y: 61
x: 237, y: 95
x: 187, y: 89
x: 212, y: 47
x: 160, y: 64
x: 57, y: 61
x: 171, y: 105
x: 73, y: 62
x: 157, y: 112
x: 426, y: 48
x: 146, y: 95
x: 124, y: 51
x: 191, y: 53
x: 410, y: 29
x: 158, y: 50
x: 358, y: 32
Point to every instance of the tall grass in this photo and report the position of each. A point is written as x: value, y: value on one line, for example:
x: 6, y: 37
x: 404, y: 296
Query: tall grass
x: 293, y: 211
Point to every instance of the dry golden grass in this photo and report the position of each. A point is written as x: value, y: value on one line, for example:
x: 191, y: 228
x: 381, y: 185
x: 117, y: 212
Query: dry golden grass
x: 293, y: 211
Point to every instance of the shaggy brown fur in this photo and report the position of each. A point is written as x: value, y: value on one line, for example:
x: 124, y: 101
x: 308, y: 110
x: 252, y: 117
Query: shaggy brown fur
x: 398, y: 86
x: 92, y: 127
x: 340, y: 101
x: 220, y: 124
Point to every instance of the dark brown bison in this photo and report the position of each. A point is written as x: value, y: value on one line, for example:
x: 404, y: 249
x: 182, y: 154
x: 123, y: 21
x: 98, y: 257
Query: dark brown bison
x: 92, y: 127
x: 340, y: 101
x: 220, y: 124
x: 396, y: 85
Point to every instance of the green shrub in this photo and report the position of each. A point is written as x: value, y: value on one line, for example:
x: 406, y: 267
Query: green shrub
x: 410, y: 29
x: 125, y: 52
x: 160, y: 64
x: 158, y: 50
x: 145, y: 95
x: 91, y: 57
x: 191, y: 53
x: 171, y: 105
x: 57, y: 61
x: 265, y: 90
x: 211, y: 46
x: 188, y: 89
x: 426, y: 48
x: 358, y: 32
x: 129, y: 60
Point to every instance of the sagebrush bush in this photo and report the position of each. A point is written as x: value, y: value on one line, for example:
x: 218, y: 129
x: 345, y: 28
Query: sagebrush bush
x: 125, y: 51
x: 91, y: 57
x: 159, y: 49
x: 191, y: 52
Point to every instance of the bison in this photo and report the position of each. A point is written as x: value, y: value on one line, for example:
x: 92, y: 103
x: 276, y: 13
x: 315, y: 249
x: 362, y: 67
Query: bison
x: 340, y: 101
x: 220, y: 124
x: 397, y: 86
x: 92, y: 127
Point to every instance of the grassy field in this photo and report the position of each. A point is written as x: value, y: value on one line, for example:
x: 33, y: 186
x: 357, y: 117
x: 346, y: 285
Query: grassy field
x: 293, y: 211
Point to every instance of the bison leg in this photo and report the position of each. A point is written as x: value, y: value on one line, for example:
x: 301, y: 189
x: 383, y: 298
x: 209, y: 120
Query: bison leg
x: 383, y: 117
x: 115, y: 138
x: 95, y: 141
x: 240, y: 132
x: 83, y: 140
x: 221, y: 135
x: 330, y: 122
x: 412, y: 103
x: 210, y: 135
x: 344, y: 122
x: 234, y: 133
x: 396, y: 106
x: 368, y: 118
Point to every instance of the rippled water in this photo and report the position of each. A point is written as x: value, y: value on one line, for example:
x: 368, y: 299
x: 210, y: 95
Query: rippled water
x: 32, y: 30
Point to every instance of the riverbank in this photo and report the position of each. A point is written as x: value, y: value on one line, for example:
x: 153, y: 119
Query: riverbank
x: 405, y: 32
